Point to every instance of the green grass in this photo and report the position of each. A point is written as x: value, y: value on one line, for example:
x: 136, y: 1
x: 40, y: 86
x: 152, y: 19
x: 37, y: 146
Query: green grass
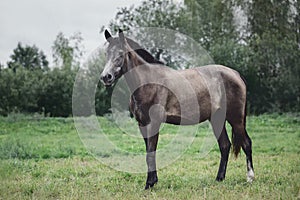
x: 43, y: 158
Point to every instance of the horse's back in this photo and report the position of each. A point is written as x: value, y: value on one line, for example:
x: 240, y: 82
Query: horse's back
x: 225, y: 89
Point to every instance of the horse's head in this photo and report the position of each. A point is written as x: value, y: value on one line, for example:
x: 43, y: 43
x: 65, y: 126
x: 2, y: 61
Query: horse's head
x: 116, y: 58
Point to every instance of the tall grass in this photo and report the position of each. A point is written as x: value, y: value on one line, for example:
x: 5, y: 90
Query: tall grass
x: 43, y: 158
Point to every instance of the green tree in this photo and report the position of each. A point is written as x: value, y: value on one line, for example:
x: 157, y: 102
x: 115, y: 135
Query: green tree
x: 55, y: 95
x: 20, y: 82
x: 90, y: 96
x: 67, y: 52
x: 213, y: 25
x: 28, y: 57
x: 274, y: 42
x: 19, y: 90
x: 264, y: 48
x: 102, y: 98
x: 211, y: 22
x: 152, y: 13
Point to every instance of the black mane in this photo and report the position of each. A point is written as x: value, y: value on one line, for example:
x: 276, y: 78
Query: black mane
x: 142, y: 52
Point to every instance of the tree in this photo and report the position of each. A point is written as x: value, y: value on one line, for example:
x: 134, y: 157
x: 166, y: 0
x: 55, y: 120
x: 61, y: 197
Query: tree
x: 274, y: 43
x: 264, y: 49
x: 67, y: 51
x: 20, y: 82
x: 28, y: 57
x: 153, y: 13
x: 55, y: 95
x: 90, y: 96
x: 19, y: 90
x: 213, y: 25
x: 211, y: 22
x: 102, y: 100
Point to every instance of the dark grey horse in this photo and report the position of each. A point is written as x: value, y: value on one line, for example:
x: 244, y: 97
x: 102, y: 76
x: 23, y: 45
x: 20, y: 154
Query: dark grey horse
x: 184, y: 97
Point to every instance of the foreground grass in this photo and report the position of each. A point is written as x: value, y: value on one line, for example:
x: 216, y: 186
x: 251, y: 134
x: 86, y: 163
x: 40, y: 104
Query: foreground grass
x: 45, y: 159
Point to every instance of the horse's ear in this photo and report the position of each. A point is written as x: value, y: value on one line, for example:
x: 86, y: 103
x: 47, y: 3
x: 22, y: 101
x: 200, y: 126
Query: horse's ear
x: 122, y: 39
x: 107, y: 35
x: 121, y: 36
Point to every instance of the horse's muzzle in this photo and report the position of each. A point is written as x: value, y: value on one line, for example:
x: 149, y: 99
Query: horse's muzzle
x: 107, y: 79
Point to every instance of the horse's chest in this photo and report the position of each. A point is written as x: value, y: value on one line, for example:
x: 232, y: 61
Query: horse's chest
x: 139, y: 110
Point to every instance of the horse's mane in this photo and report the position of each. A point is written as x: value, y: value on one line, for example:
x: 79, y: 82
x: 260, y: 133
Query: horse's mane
x: 142, y: 52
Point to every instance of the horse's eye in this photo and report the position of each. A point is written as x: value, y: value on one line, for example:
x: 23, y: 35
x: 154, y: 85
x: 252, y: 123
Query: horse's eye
x: 119, y: 59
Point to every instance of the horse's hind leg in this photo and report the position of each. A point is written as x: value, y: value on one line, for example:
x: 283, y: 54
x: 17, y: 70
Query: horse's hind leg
x: 247, y: 148
x: 242, y: 139
x: 224, y: 146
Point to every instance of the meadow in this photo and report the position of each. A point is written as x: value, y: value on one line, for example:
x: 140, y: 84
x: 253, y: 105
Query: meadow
x: 44, y: 158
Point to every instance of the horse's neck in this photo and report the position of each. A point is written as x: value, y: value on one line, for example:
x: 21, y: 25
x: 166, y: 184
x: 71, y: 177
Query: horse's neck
x: 137, y: 72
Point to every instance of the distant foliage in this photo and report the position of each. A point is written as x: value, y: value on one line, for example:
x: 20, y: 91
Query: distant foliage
x: 25, y: 91
x: 260, y: 39
x: 89, y: 95
x: 28, y: 57
x: 275, y: 54
x: 67, y: 52
x: 56, y: 92
x: 50, y: 92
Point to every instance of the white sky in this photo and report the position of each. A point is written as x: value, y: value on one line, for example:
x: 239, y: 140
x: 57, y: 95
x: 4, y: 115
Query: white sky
x: 39, y: 21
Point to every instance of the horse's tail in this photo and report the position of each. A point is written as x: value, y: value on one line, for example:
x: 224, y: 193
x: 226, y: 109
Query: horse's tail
x: 238, y: 138
x: 245, y: 109
x: 236, y: 143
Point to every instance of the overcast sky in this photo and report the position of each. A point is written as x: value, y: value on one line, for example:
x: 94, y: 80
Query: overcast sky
x: 39, y: 21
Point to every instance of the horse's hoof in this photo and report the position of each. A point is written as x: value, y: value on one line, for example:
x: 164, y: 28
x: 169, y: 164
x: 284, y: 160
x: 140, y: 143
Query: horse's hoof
x: 150, y: 185
x: 219, y: 179
x: 147, y: 186
x: 250, y: 176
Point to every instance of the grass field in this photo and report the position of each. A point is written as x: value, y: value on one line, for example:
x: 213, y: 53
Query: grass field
x: 43, y: 158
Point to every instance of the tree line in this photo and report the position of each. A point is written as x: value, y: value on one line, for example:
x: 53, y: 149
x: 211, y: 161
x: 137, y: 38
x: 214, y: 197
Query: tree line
x: 259, y: 38
x: 29, y: 85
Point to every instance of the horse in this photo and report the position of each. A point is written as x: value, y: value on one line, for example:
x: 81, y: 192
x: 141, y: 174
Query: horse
x: 160, y: 94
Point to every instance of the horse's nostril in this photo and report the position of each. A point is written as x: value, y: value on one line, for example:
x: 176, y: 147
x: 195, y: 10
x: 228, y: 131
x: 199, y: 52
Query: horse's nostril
x: 109, y: 77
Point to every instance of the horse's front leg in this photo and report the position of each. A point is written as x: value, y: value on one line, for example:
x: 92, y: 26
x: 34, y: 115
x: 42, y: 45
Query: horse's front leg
x: 150, y: 133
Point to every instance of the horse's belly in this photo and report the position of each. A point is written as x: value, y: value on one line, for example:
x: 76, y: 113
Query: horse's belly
x: 176, y: 120
x: 191, y: 119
